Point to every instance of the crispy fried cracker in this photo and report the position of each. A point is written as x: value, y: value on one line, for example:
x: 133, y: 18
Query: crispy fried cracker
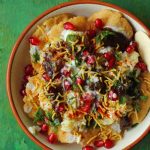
x: 112, y: 19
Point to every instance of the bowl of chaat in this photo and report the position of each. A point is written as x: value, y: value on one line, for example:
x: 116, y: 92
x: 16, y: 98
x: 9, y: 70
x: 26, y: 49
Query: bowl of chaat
x: 78, y: 78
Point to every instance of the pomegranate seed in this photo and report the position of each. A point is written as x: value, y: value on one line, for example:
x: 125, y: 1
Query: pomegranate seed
x: 91, y: 33
x: 67, y: 85
x: 34, y: 40
x: 29, y: 70
x: 26, y: 78
x: 52, y: 138
x: 69, y: 26
x: 90, y: 60
x: 129, y: 49
x: 112, y: 95
x: 109, y: 143
x: 23, y: 92
x: 134, y: 44
x: 46, y: 76
x: 85, y: 53
x: 142, y: 66
x: 79, y: 81
x: 60, y: 108
x: 44, y: 128
x: 108, y: 55
x: 99, y: 23
x: 88, y: 148
x: 66, y: 73
x: 86, y: 108
x: 111, y: 63
x: 99, y: 143
x: 87, y: 97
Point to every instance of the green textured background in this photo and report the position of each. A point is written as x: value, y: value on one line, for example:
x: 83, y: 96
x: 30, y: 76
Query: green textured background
x: 15, y: 15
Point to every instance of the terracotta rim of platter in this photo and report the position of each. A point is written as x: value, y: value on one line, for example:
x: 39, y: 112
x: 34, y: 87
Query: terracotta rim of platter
x: 14, y: 50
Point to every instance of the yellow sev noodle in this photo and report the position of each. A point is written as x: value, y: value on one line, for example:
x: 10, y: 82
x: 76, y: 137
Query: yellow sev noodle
x: 105, y: 133
x: 43, y: 32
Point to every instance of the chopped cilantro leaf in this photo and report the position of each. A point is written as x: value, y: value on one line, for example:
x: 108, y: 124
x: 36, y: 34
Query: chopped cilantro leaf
x: 74, y: 77
x: 103, y: 35
x: 56, y: 122
x: 134, y: 74
x: 143, y: 98
x: 117, y: 83
x: 83, y: 48
x: 75, y: 49
x: 53, y: 122
x: 118, y: 55
x: 49, y: 97
x: 39, y: 116
x: 99, y: 116
x: 123, y: 100
x: 72, y: 38
x: 75, y: 86
x: 77, y: 62
x: 36, y: 56
x: 49, y: 115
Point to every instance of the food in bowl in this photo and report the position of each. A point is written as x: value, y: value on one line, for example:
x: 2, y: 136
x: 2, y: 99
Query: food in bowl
x: 88, y: 81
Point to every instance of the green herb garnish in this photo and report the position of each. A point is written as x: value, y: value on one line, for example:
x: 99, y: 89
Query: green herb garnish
x: 56, y: 122
x: 99, y: 116
x: 143, y: 98
x: 75, y: 86
x: 103, y: 35
x: 49, y: 115
x: 77, y: 62
x: 123, y: 100
x: 36, y: 56
x: 118, y: 55
x: 72, y: 38
x: 53, y: 122
x: 39, y: 116
x: 74, y: 76
x: 134, y: 74
x: 117, y: 83
x: 83, y: 48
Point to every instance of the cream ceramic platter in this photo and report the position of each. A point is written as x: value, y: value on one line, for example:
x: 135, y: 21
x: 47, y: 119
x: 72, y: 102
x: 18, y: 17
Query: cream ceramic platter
x: 21, y: 59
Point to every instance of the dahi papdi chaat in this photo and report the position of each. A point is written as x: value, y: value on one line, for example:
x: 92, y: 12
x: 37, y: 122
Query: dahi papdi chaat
x: 88, y: 81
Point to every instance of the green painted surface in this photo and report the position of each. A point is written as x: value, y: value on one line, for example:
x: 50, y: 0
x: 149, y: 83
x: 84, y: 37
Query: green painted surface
x: 15, y: 15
